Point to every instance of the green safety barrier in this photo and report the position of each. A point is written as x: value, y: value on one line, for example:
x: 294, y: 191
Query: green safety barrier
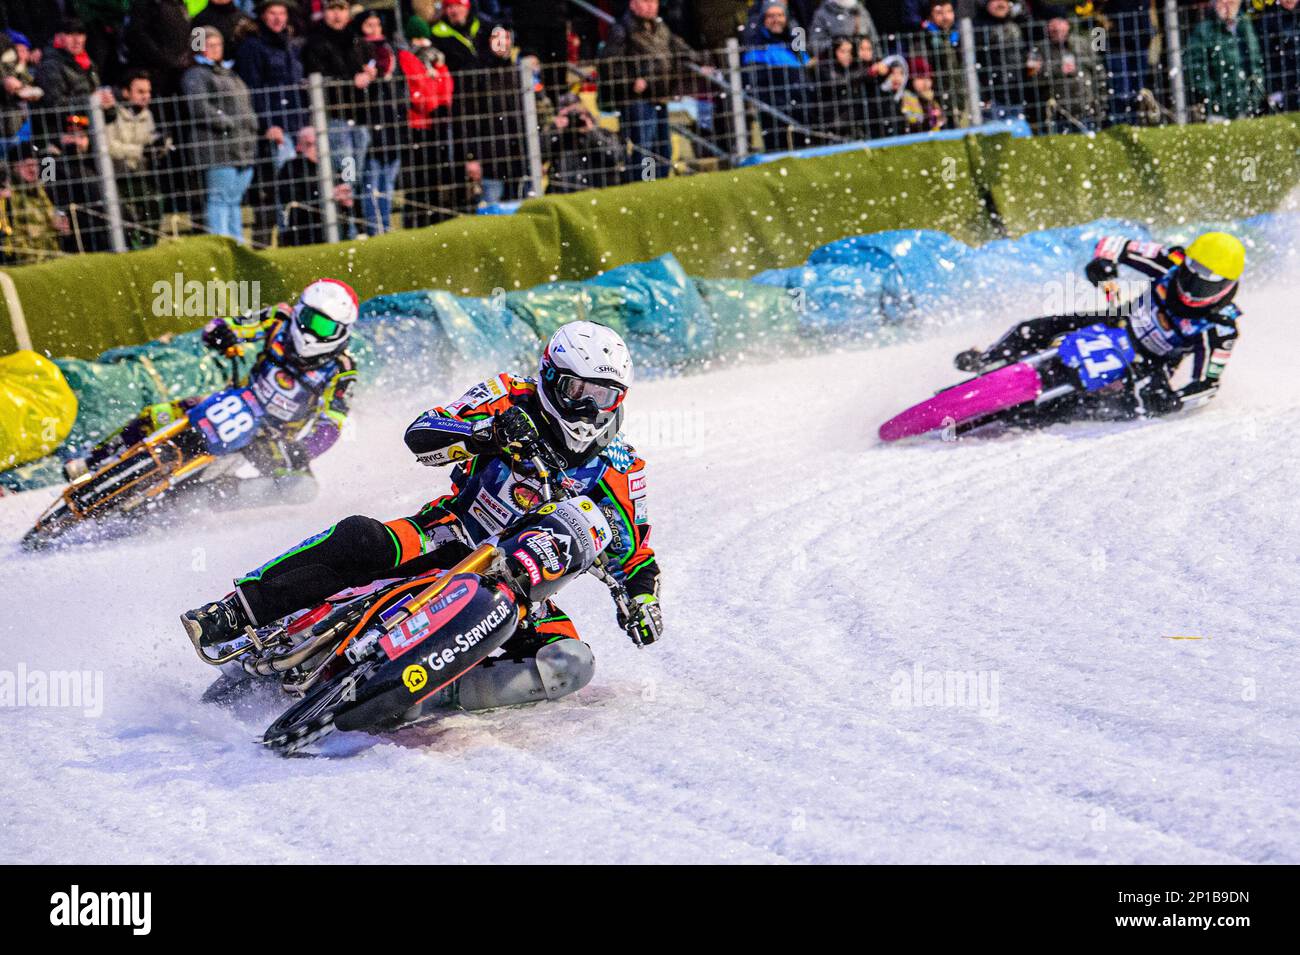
x: 725, y: 225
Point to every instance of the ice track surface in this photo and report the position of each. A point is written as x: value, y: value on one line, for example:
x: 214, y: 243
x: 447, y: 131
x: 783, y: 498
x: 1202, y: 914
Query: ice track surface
x: 812, y: 577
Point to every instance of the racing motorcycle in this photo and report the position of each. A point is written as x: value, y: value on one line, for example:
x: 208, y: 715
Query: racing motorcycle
x: 201, y: 448
x: 374, y: 659
x: 1089, y: 371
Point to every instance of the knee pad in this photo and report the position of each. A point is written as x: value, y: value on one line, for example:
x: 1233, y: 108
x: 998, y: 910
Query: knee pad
x: 559, y: 669
x: 362, y: 547
x: 565, y: 666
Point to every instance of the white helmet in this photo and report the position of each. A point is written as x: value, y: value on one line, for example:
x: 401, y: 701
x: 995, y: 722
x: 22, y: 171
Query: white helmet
x: 322, y: 320
x: 584, y: 376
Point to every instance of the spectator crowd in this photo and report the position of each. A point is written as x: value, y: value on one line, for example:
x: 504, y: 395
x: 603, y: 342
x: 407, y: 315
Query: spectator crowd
x: 199, y: 111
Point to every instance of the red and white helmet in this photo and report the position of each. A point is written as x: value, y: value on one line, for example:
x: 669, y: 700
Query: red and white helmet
x: 584, y: 376
x: 323, y: 319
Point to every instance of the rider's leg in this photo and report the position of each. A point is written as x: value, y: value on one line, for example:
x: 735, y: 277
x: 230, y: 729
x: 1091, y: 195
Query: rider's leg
x: 1022, y: 340
x: 544, y: 660
x: 354, y: 552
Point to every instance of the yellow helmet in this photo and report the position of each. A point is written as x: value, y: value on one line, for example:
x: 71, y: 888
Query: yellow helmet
x: 1209, y: 273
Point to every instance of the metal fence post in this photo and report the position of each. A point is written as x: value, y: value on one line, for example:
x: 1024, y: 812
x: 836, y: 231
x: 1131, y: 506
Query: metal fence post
x: 1174, y: 43
x: 107, y: 178
x: 532, y: 134
x: 324, y: 159
x: 974, y: 114
x: 739, y: 116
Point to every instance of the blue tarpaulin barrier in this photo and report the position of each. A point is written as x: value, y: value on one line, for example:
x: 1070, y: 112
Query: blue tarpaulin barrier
x: 867, y: 288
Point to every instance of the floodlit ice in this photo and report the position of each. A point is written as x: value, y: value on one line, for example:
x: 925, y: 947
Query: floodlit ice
x: 931, y: 652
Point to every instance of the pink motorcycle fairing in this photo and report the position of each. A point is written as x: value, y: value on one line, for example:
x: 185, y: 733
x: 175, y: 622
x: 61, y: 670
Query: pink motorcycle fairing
x: 995, y: 391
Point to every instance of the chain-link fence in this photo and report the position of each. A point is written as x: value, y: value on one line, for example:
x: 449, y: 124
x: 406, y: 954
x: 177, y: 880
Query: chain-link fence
x: 417, y: 143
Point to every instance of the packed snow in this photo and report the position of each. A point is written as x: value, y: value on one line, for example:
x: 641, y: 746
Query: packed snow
x: 936, y: 652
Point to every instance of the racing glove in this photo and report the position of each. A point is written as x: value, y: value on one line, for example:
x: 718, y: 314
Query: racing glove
x: 1100, y: 271
x: 514, y: 434
x: 1157, y: 399
x: 644, y: 622
x: 220, y: 337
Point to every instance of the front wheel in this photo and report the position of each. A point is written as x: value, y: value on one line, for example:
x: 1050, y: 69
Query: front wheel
x: 312, y: 717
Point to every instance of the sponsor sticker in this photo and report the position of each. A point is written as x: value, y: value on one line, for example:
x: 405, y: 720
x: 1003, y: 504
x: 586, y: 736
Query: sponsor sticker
x: 500, y: 516
x: 525, y: 496
x: 426, y: 621
x: 415, y: 677
x: 467, y: 640
x: 530, y: 565
x: 552, y: 551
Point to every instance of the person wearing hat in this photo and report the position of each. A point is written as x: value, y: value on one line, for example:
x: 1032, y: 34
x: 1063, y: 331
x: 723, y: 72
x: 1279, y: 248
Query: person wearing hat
x: 68, y: 79
x: 18, y: 89
x: 34, y: 223
x: 921, y: 108
x: 269, y: 61
x: 461, y: 35
x: 336, y: 50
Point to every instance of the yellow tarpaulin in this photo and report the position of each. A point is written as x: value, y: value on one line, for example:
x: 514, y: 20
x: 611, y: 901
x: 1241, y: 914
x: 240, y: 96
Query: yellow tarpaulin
x: 37, y: 408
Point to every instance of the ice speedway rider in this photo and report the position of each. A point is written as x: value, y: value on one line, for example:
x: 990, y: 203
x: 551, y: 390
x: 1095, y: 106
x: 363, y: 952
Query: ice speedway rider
x: 302, y: 377
x: 1188, y: 310
x: 573, y: 411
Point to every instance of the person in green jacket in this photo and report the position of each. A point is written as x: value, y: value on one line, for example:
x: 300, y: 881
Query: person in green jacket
x: 1225, y: 64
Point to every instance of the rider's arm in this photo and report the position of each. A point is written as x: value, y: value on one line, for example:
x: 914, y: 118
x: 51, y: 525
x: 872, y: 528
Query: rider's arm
x: 637, y: 561
x: 1210, y: 357
x: 1150, y: 258
x: 463, y: 428
x: 223, y: 333
x: 334, y: 405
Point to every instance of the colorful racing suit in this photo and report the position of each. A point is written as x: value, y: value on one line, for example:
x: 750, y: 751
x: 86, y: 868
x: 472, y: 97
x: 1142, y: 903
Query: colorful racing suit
x: 305, y: 407
x: 1161, y: 339
x: 487, y: 493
